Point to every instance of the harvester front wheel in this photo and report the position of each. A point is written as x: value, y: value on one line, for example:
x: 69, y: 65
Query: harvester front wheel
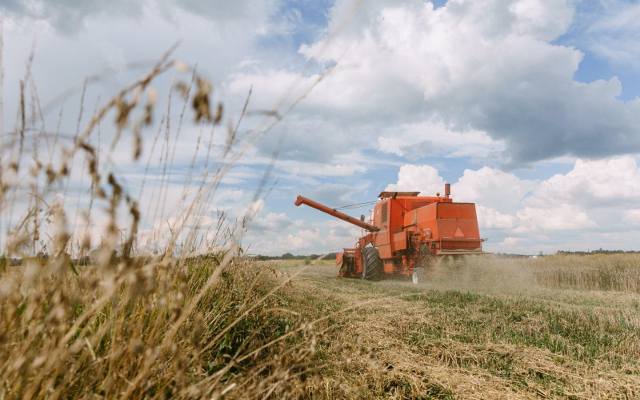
x: 372, y: 264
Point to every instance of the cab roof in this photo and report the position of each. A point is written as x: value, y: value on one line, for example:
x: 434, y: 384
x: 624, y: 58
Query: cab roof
x: 384, y: 195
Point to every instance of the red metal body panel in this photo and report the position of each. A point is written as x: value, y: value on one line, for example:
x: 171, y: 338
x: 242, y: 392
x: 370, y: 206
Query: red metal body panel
x: 406, y: 227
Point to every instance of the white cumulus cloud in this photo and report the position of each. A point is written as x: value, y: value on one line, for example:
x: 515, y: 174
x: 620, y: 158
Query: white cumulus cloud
x: 423, y: 178
x: 477, y: 67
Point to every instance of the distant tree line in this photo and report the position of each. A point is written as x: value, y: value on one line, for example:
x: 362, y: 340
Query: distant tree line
x: 289, y: 256
x: 87, y: 260
x: 598, y: 251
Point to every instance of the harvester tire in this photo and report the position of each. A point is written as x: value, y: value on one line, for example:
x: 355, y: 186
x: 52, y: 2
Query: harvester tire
x: 372, y: 264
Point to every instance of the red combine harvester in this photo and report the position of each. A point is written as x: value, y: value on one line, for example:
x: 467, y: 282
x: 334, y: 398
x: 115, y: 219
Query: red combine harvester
x: 407, y: 231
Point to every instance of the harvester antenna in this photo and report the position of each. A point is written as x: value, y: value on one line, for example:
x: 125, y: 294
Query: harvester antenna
x: 355, y: 205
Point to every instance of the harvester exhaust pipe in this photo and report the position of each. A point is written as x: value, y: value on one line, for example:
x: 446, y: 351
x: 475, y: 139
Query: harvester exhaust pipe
x: 321, y: 207
x: 447, y: 190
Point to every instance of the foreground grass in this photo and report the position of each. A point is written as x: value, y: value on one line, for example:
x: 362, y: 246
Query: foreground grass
x: 182, y: 329
x: 132, y: 325
x: 193, y: 328
x: 485, y: 341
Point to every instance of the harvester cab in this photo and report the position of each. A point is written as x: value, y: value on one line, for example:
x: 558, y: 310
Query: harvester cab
x: 407, y: 231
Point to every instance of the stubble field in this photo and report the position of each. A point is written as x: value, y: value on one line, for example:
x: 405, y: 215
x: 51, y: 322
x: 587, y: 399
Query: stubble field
x: 554, y: 327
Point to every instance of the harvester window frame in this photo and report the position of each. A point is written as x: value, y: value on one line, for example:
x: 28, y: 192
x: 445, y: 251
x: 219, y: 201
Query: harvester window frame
x: 384, y: 211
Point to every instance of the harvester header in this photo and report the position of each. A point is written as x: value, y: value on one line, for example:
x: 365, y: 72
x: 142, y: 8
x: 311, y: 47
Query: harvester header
x: 406, y: 231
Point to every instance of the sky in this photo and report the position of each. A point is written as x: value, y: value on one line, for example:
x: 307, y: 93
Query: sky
x: 529, y: 108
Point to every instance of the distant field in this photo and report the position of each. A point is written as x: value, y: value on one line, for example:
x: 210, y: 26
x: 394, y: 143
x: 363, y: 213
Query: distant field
x: 552, y: 327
